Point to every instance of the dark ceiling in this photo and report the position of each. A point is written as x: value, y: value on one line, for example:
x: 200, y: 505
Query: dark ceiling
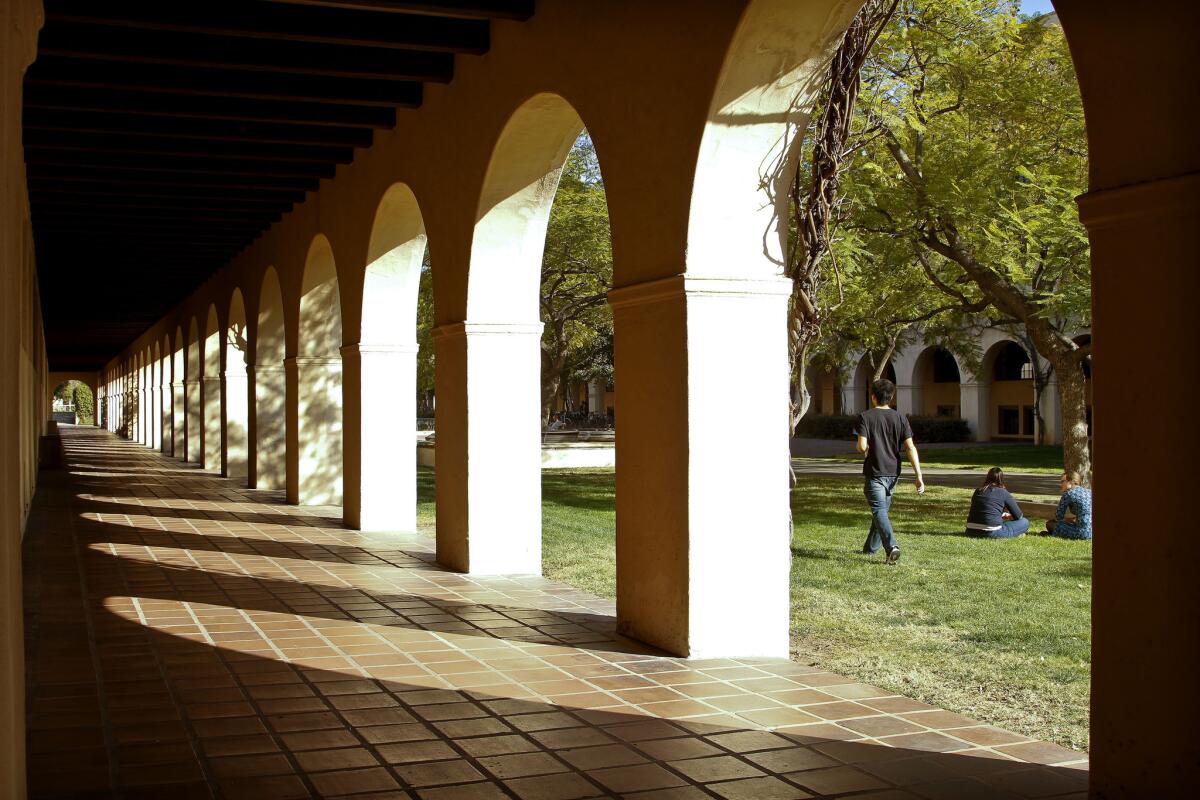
x: 162, y: 137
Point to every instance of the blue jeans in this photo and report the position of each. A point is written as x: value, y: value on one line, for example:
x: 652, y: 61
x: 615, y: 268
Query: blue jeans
x: 1010, y: 529
x: 879, y: 498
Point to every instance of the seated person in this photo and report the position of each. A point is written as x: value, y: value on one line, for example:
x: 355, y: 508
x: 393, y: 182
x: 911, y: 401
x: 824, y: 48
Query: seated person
x: 557, y: 422
x: 1078, y: 500
x: 994, y: 512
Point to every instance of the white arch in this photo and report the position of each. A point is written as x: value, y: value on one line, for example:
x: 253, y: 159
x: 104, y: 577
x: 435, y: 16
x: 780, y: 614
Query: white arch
x: 737, y: 224
x: 489, y: 512
x: 195, y: 415
x: 514, y: 210
x: 270, y: 387
x: 211, y: 391
x: 319, y: 381
x: 154, y: 396
x: 178, y: 389
x: 235, y: 388
x: 381, y: 488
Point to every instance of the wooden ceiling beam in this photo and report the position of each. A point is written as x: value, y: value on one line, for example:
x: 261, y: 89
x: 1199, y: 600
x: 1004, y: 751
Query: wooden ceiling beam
x: 81, y: 142
x: 136, y: 161
x: 51, y: 70
x: 152, y: 177
x: 274, y: 200
x: 519, y: 10
x: 299, y: 23
x: 227, y: 130
x: 110, y: 43
x: 78, y: 99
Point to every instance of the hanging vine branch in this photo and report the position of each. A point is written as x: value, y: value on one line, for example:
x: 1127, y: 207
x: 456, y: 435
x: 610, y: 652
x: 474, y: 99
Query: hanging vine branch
x: 815, y: 201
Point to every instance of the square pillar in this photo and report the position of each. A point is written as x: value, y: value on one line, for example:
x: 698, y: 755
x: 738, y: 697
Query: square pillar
x: 908, y: 399
x: 317, y: 456
x: 380, y: 390
x: 1144, y: 591
x: 974, y: 401
x: 236, y: 389
x: 703, y: 524
x: 195, y: 422
x: 213, y: 422
x: 154, y: 418
x: 489, y: 447
x: 178, y: 438
x: 1052, y: 413
x: 270, y: 427
x: 166, y: 420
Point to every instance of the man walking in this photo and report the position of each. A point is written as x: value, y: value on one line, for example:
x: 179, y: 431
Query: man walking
x: 882, y: 433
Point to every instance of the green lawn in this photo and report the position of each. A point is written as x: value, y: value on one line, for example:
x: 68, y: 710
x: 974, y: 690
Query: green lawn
x: 1012, y: 457
x: 996, y: 630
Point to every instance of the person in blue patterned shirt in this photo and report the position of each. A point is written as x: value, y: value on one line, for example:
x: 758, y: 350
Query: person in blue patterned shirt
x: 1077, y: 499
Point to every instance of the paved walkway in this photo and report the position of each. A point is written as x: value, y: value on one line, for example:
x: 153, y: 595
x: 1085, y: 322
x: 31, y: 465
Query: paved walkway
x: 189, y: 638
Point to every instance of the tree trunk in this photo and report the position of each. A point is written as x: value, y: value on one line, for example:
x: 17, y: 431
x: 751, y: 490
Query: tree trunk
x: 551, y: 378
x: 1072, y: 395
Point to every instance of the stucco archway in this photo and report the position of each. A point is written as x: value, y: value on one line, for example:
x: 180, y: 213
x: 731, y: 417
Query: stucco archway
x: 380, y: 372
x: 489, y: 444
x: 270, y: 387
x: 210, y: 392
x: 235, y: 388
x: 318, y: 371
x: 195, y: 416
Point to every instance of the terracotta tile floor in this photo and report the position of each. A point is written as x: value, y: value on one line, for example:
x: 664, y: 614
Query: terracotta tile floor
x: 189, y: 638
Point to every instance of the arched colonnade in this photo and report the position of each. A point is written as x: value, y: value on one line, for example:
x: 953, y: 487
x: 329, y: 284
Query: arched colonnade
x: 696, y: 153
x: 996, y: 398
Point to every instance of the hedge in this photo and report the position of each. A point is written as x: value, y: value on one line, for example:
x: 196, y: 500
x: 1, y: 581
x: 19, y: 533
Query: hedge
x: 925, y: 429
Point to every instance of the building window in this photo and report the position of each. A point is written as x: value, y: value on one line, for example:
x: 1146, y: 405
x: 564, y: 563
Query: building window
x: 945, y: 368
x: 1027, y: 420
x: 947, y: 411
x: 1009, y: 421
x: 1011, y: 364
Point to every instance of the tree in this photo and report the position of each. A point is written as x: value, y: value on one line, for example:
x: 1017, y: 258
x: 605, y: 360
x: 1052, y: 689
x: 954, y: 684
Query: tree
x: 425, y: 374
x: 576, y: 276
x: 814, y: 202
x: 970, y: 152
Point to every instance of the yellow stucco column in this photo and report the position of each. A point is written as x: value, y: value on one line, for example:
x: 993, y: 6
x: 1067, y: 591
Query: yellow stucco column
x: 235, y: 389
x: 195, y: 422
x: 270, y: 427
x: 318, y: 444
x: 703, y: 530
x: 1145, y: 593
x: 211, y: 425
x: 489, y: 452
x: 380, y: 417
x: 178, y: 404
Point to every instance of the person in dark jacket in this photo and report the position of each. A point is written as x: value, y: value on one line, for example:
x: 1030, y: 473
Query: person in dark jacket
x: 994, y: 511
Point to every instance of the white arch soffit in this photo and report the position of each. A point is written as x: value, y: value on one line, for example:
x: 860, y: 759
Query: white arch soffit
x: 212, y: 344
x: 514, y: 210
x: 270, y: 342
x: 393, y: 278
x: 320, y: 302
x: 751, y: 143
x: 236, y: 339
x: 178, y: 355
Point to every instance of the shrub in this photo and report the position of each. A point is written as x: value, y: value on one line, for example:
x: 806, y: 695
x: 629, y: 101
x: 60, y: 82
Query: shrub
x: 939, y: 429
x: 834, y: 426
x: 85, y: 408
